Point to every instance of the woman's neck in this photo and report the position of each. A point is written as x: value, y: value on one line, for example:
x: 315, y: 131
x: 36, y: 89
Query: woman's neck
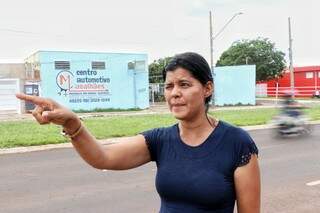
x: 194, y: 133
x: 199, y: 124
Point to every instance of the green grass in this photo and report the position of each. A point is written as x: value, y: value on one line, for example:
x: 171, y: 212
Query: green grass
x: 28, y: 133
x: 245, y: 117
x: 313, y: 113
x: 126, y: 125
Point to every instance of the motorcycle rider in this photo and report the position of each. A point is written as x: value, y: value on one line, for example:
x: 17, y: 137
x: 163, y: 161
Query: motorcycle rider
x: 291, y: 119
x: 291, y: 107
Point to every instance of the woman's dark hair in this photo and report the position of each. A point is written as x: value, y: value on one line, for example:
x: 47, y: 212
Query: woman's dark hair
x: 195, y: 64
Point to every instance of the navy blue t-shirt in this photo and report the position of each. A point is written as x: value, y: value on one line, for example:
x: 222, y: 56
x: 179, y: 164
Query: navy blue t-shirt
x: 198, y: 179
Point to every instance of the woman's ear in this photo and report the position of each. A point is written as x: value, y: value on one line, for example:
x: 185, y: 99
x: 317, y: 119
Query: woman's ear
x: 208, y: 89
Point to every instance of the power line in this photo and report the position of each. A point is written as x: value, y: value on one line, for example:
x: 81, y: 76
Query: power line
x: 37, y: 34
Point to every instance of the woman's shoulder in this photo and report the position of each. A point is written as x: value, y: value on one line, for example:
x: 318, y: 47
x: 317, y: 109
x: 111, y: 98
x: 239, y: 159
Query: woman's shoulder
x: 235, y: 133
x: 155, y: 139
x: 240, y: 141
x: 233, y: 128
x: 160, y: 131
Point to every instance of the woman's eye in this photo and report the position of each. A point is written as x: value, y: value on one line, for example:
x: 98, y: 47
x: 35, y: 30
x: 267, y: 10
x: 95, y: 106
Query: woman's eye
x: 167, y: 86
x: 185, y: 85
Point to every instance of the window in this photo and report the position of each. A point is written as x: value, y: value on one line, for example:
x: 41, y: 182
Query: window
x: 140, y: 65
x: 98, y: 65
x: 137, y: 65
x: 309, y: 74
x: 131, y: 65
x: 62, y: 65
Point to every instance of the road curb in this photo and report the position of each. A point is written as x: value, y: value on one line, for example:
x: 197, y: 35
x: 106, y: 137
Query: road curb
x: 17, y: 150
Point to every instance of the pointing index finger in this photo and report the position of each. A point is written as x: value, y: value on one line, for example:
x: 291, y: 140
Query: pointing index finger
x: 34, y: 99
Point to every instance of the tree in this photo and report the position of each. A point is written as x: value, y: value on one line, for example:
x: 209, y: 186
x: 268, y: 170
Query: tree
x: 269, y: 61
x: 156, y: 68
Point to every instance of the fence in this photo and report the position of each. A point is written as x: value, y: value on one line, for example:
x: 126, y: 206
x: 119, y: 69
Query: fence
x: 262, y: 90
x: 156, y: 92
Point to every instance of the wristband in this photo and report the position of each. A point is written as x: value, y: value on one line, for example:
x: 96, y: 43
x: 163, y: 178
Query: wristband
x: 71, y: 136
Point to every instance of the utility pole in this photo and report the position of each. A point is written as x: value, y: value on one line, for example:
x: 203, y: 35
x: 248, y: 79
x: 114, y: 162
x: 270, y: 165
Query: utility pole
x: 211, y: 58
x: 213, y: 37
x: 211, y: 42
x: 290, y: 59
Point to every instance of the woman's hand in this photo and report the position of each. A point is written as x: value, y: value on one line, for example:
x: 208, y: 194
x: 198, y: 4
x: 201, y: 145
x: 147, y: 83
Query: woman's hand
x: 48, y: 111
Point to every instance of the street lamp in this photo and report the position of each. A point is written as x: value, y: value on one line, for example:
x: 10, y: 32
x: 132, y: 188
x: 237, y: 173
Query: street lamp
x: 237, y: 14
x: 212, y: 38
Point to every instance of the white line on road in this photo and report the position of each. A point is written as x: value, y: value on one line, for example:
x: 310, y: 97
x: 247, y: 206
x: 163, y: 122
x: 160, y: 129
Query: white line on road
x: 313, y: 183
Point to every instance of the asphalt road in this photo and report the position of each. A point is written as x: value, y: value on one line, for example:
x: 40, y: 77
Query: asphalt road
x: 57, y: 180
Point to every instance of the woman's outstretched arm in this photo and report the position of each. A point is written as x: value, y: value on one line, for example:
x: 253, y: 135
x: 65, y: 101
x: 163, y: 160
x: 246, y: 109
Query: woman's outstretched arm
x: 131, y: 152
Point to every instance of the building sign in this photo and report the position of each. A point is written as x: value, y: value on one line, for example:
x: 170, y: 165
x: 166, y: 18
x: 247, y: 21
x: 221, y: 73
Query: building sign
x: 83, y: 86
x: 63, y: 81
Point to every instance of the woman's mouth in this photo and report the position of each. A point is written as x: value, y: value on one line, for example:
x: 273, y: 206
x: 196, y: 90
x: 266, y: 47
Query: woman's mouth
x: 177, y: 106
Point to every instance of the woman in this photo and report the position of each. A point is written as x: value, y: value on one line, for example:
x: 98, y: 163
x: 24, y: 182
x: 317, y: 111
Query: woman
x: 204, y: 165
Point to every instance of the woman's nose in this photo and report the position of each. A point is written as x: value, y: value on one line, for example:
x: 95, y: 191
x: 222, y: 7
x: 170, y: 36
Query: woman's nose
x: 176, y: 92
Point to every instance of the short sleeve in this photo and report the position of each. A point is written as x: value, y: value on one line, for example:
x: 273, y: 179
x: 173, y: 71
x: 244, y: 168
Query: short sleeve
x: 153, y: 141
x: 246, y: 147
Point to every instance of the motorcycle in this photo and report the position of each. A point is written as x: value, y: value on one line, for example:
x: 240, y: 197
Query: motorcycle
x: 286, y: 125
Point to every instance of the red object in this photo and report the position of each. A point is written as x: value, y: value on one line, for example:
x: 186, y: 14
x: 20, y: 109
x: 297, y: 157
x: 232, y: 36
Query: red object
x: 306, y: 82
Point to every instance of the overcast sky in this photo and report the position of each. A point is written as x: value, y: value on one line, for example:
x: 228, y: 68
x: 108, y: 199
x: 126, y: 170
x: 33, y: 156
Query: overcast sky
x: 159, y: 28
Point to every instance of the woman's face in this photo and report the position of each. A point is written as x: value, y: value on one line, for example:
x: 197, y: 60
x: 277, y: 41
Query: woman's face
x: 185, y: 94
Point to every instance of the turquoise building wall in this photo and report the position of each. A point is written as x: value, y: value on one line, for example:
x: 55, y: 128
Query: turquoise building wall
x: 235, y: 85
x: 82, y: 87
